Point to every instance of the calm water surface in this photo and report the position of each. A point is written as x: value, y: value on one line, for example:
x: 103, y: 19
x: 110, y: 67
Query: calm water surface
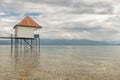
x: 59, y: 62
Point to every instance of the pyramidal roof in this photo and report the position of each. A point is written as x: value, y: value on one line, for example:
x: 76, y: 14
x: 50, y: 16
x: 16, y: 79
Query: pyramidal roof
x: 28, y: 22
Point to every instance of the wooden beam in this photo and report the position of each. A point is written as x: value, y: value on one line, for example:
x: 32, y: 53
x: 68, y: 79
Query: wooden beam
x: 15, y: 38
x: 28, y: 43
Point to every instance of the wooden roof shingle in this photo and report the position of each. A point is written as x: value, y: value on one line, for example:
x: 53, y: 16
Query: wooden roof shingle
x: 28, y: 22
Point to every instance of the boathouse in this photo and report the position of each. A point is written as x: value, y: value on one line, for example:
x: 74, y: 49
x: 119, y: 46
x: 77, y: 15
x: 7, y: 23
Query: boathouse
x: 26, y: 31
x: 27, y: 28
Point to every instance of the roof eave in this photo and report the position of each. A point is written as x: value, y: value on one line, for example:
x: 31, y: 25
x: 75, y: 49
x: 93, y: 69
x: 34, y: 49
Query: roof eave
x: 27, y: 26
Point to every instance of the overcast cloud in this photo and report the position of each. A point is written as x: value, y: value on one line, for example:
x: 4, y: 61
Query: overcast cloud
x: 65, y: 19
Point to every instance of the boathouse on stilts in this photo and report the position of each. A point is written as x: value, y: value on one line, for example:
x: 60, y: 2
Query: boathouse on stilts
x: 26, y: 33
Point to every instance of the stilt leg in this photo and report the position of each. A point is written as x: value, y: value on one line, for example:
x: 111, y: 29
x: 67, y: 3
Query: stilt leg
x: 11, y: 44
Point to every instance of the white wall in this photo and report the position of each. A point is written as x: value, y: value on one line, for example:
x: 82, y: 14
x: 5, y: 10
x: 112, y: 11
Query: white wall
x: 24, y: 32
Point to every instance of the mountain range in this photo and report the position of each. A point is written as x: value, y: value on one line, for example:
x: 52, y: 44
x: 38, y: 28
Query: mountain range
x: 64, y: 42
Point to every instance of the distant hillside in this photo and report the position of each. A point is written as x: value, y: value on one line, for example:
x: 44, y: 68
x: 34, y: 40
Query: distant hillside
x: 63, y: 42
x: 72, y: 42
x: 5, y: 42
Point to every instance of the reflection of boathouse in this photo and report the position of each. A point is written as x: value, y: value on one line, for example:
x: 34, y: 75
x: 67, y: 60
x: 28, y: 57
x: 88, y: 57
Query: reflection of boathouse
x: 25, y: 63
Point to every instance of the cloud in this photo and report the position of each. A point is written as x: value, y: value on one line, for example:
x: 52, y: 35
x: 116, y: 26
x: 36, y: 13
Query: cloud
x: 91, y: 8
x: 65, y: 19
x: 2, y: 13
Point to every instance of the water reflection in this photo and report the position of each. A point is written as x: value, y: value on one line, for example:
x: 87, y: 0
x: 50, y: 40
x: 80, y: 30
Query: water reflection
x: 57, y: 62
x: 25, y: 62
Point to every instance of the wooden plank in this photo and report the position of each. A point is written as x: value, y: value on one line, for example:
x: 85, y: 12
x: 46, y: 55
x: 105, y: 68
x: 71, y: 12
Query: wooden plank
x: 15, y: 38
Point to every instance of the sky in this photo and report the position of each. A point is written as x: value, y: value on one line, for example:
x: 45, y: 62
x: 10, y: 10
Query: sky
x: 65, y: 19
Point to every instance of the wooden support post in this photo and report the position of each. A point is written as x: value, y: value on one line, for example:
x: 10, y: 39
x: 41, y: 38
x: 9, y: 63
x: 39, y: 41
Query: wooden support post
x: 31, y: 43
x: 15, y: 42
x: 24, y: 44
x: 36, y: 43
x: 11, y: 44
x: 39, y: 44
x: 21, y: 43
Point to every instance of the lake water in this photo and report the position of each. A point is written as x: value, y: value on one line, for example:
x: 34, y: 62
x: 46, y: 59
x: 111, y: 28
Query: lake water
x: 60, y: 62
